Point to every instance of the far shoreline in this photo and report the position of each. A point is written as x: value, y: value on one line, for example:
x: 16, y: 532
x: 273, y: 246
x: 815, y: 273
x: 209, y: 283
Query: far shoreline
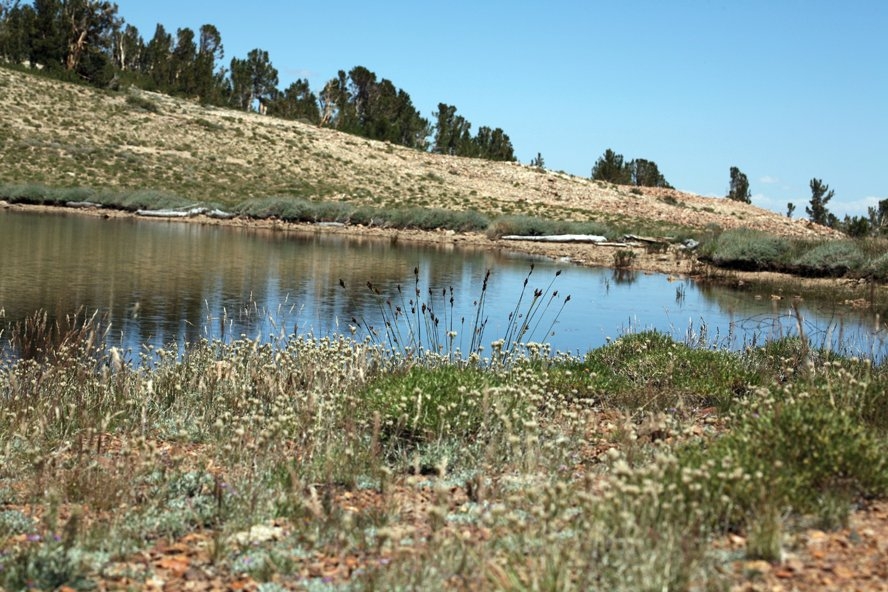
x: 674, y: 263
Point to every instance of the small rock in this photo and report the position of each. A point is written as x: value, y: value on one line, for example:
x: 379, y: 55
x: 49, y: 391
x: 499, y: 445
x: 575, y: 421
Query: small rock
x: 759, y: 566
x: 258, y: 534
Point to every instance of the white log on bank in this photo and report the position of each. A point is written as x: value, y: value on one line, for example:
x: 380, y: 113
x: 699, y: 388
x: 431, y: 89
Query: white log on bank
x: 188, y: 213
x: 559, y: 238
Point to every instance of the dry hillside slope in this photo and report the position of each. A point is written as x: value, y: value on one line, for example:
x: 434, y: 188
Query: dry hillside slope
x: 60, y: 134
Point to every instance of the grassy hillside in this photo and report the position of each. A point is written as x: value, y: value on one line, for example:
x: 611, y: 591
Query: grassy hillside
x: 62, y: 135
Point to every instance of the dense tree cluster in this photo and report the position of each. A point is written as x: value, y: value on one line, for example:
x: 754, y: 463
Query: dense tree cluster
x: 611, y: 167
x: 67, y: 36
x: 358, y: 103
x: 453, y: 136
x: 87, y: 40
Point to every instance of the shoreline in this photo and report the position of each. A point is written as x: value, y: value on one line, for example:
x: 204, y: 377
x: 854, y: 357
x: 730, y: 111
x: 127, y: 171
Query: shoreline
x: 675, y: 262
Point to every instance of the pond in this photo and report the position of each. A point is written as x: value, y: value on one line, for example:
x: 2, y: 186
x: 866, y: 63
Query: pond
x: 163, y: 282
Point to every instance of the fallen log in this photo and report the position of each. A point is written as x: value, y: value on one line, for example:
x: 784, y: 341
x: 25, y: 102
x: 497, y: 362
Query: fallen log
x: 189, y: 213
x: 83, y: 204
x: 558, y: 238
x: 165, y: 213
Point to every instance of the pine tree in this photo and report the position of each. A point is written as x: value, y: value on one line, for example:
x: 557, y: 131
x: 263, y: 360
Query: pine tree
x: 820, y: 196
x: 611, y: 168
x: 739, y: 190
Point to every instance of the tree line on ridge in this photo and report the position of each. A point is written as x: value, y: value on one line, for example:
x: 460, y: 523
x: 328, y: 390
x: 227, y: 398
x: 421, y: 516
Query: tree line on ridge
x: 88, y: 41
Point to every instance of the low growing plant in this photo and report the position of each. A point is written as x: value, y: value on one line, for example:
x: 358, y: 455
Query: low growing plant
x: 624, y: 258
x: 747, y: 250
x: 833, y: 258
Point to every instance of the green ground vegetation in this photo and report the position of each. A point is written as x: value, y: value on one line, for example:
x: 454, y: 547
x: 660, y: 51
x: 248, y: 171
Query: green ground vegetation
x: 751, y: 250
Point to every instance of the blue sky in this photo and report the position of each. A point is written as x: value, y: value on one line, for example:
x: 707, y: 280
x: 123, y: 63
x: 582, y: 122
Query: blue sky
x: 786, y: 90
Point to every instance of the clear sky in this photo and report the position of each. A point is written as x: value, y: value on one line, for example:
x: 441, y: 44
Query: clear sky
x: 786, y: 90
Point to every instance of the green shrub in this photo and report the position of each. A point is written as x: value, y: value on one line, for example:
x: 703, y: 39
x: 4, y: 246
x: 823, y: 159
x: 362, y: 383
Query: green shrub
x: 45, y: 565
x: 142, y: 104
x: 291, y: 209
x: 653, y: 371
x: 877, y: 268
x: 13, y: 522
x: 425, y: 404
x: 31, y: 193
x: 433, y: 219
x: 806, y: 455
x: 833, y: 258
x: 747, y: 250
x: 147, y: 199
x: 624, y: 258
x: 531, y: 226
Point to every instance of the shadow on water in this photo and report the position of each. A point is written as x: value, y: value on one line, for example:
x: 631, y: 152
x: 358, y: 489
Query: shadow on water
x: 159, y: 283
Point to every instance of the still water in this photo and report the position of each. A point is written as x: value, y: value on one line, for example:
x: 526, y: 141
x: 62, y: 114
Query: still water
x: 160, y: 282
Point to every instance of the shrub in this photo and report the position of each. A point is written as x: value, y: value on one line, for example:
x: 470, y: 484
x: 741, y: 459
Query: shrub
x: 800, y: 453
x: 31, y: 193
x: 434, y: 218
x: 834, y: 258
x: 747, y: 250
x: 530, y: 226
x: 142, y: 104
x: 624, y: 258
x: 650, y: 369
x: 425, y: 404
x: 149, y: 199
x: 877, y: 268
x: 287, y: 208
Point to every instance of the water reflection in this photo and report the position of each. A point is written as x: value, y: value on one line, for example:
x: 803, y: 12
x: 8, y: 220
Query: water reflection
x: 162, y: 282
